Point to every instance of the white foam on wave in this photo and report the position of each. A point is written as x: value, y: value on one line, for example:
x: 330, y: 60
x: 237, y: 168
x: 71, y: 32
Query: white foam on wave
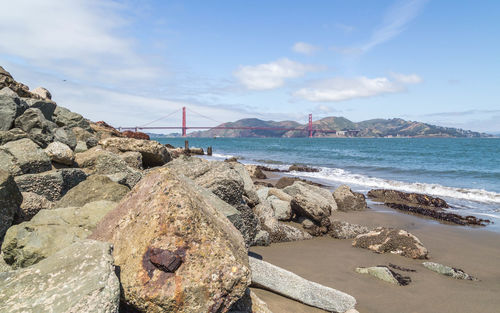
x: 343, y: 176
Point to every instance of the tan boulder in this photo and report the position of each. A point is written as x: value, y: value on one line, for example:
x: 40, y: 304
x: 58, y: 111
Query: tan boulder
x: 153, y: 153
x: 176, y: 252
x: 42, y: 93
x: 395, y: 241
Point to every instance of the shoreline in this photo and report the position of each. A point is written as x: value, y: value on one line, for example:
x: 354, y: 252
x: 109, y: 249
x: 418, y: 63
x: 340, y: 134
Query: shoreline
x: 331, y: 262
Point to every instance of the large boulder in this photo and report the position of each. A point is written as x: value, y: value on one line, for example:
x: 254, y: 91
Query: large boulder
x: 410, y: 199
x: 219, y: 177
x: 50, y: 231
x: 80, y: 278
x: 395, y: 241
x: 278, y: 232
x: 282, y: 209
x: 53, y: 184
x: 64, y: 117
x: 248, y: 186
x: 58, y: 152
x: 90, y: 139
x: 343, y: 230
x: 290, y: 285
x: 176, y: 252
x: 32, y: 204
x: 348, y: 200
x: 133, y: 159
x: 38, y: 128
x: 10, y: 109
x: 42, y: 93
x: 11, y: 135
x: 94, y: 188
x: 47, y: 107
x: 310, y: 201
x: 102, y: 162
x: 10, y: 201
x: 23, y: 156
x: 66, y: 136
x: 153, y: 153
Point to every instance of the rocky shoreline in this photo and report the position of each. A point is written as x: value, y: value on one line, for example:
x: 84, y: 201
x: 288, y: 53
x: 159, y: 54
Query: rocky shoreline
x: 96, y: 220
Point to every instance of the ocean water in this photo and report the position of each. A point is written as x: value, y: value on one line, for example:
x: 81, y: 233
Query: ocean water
x: 465, y: 172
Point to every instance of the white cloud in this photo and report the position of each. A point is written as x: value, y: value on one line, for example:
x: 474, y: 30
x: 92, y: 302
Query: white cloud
x: 304, y: 48
x: 406, y: 79
x: 341, y: 88
x: 271, y: 75
x: 394, y: 22
x: 79, y: 40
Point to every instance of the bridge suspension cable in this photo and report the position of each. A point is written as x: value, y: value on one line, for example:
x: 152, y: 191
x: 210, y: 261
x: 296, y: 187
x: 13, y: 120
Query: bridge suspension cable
x: 161, y: 118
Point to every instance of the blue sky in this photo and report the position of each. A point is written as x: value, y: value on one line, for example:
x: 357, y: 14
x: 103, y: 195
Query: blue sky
x: 130, y: 62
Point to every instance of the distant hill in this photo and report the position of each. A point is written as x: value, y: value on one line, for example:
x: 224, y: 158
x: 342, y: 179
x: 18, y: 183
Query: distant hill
x: 395, y: 127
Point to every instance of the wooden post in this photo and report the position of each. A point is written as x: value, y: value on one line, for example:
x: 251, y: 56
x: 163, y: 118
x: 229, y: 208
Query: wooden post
x: 186, y: 145
x: 209, y: 150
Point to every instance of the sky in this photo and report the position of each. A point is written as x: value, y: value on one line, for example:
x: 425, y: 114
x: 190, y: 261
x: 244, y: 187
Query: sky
x: 130, y: 63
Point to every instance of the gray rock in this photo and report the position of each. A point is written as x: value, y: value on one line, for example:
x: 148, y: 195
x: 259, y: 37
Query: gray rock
x: 59, y: 152
x: 310, y: 201
x: 347, y: 200
x: 278, y: 232
x: 101, y: 162
x: 6, y: 91
x: 385, y: 274
x: 42, y: 93
x: 95, y: 188
x: 47, y: 107
x: 49, y: 231
x: 81, y: 146
x: 11, y: 135
x: 10, y: 109
x: 282, y: 209
x: 23, y: 156
x: 81, y: 278
x: 133, y: 159
x: 64, y: 117
x: 53, y: 184
x: 290, y: 285
x: 32, y: 204
x: 39, y: 129
x: 10, y: 201
x: 448, y: 271
x: 4, y: 267
x: 395, y: 241
x: 262, y: 239
x: 262, y: 193
x: 248, y: 186
x: 86, y: 136
x: 280, y: 194
x: 66, y: 136
x: 343, y: 230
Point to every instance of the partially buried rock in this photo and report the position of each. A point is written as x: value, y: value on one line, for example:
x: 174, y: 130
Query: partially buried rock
x: 347, y: 200
x: 10, y: 200
x: 302, y: 168
x: 60, y: 153
x: 176, y: 252
x: 343, y: 230
x: 288, y: 284
x: 411, y: 199
x: 388, y: 240
x: 50, y: 231
x: 80, y: 278
x: 385, y: 274
x: 448, y: 271
x: 96, y: 187
x: 153, y: 153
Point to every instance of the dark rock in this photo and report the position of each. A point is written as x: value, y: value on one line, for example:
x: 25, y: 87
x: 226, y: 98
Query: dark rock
x: 288, y: 181
x: 302, y: 168
x: 400, y: 268
x: 135, y: 135
x: 10, y: 201
x: 255, y: 172
x: 440, y: 215
x: 39, y: 129
x: 66, y: 136
x: 64, y: 117
x: 344, y: 230
x: 448, y: 271
x: 411, y: 199
x: 10, y: 109
x: 46, y: 107
x: 53, y: 184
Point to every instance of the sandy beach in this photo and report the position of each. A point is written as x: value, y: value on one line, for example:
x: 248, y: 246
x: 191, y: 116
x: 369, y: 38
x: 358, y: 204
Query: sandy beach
x: 332, y: 262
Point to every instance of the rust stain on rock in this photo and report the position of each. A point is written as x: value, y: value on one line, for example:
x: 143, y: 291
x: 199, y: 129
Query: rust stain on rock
x: 162, y: 259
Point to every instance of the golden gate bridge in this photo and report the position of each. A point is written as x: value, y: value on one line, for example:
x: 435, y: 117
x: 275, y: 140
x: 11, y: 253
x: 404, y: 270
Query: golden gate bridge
x: 310, y: 129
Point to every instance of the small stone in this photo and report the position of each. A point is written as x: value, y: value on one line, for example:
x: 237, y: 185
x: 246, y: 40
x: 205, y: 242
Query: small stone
x: 60, y: 153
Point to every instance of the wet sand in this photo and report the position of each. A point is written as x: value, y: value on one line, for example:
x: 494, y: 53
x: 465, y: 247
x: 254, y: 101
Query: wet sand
x: 331, y: 262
